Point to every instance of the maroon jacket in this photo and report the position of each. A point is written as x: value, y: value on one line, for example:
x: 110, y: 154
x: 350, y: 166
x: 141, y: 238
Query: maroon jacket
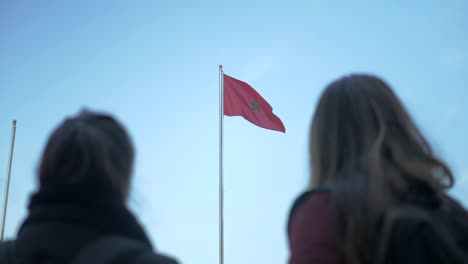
x: 310, y: 231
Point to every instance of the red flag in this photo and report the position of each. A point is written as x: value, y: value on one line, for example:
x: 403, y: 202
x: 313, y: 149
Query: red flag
x: 240, y: 99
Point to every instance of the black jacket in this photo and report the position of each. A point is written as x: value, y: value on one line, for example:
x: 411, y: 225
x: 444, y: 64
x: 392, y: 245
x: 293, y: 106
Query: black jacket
x: 60, y: 224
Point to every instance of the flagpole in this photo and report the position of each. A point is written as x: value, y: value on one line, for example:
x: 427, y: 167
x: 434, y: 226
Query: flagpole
x: 221, y: 198
x: 7, y: 185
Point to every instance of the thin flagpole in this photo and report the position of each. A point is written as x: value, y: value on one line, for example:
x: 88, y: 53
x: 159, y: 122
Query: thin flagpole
x: 7, y: 185
x: 221, y: 198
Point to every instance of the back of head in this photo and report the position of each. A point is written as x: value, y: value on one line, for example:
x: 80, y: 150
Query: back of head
x: 360, y: 124
x: 364, y: 143
x: 91, y: 151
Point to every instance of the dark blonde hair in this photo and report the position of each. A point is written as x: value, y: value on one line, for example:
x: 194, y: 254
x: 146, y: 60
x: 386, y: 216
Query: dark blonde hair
x: 366, y: 147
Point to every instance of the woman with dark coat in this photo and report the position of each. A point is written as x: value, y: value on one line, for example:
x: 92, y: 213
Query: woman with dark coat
x: 79, y: 213
x: 378, y: 193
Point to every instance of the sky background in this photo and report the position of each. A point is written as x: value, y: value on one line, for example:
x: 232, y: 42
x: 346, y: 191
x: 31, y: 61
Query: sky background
x: 154, y: 65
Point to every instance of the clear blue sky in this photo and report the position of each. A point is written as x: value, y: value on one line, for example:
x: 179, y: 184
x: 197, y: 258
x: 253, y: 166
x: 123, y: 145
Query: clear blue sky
x: 154, y: 64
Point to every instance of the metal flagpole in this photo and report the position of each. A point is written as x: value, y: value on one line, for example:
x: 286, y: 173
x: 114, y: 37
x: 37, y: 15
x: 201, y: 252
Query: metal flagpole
x: 7, y: 185
x: 221, y: 198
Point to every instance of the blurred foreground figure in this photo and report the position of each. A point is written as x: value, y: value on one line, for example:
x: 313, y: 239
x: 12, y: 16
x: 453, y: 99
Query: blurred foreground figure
x: 79, y: 214
x: 377, y: 191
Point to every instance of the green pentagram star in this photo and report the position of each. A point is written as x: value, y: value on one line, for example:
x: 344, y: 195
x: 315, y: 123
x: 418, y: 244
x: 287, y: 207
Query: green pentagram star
x: 255, y: 105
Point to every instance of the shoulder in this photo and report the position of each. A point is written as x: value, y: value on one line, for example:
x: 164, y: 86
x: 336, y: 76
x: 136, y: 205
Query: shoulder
x: 150, y: 257
x: 107, y: 249
x: 313, y: 202
x: 453, y: 209
x: 311, y: 231
x: 7, y: 251
x: 454, y: 204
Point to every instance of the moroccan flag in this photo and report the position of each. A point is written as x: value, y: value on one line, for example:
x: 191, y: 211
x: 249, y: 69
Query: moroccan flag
x: 240, y: 99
